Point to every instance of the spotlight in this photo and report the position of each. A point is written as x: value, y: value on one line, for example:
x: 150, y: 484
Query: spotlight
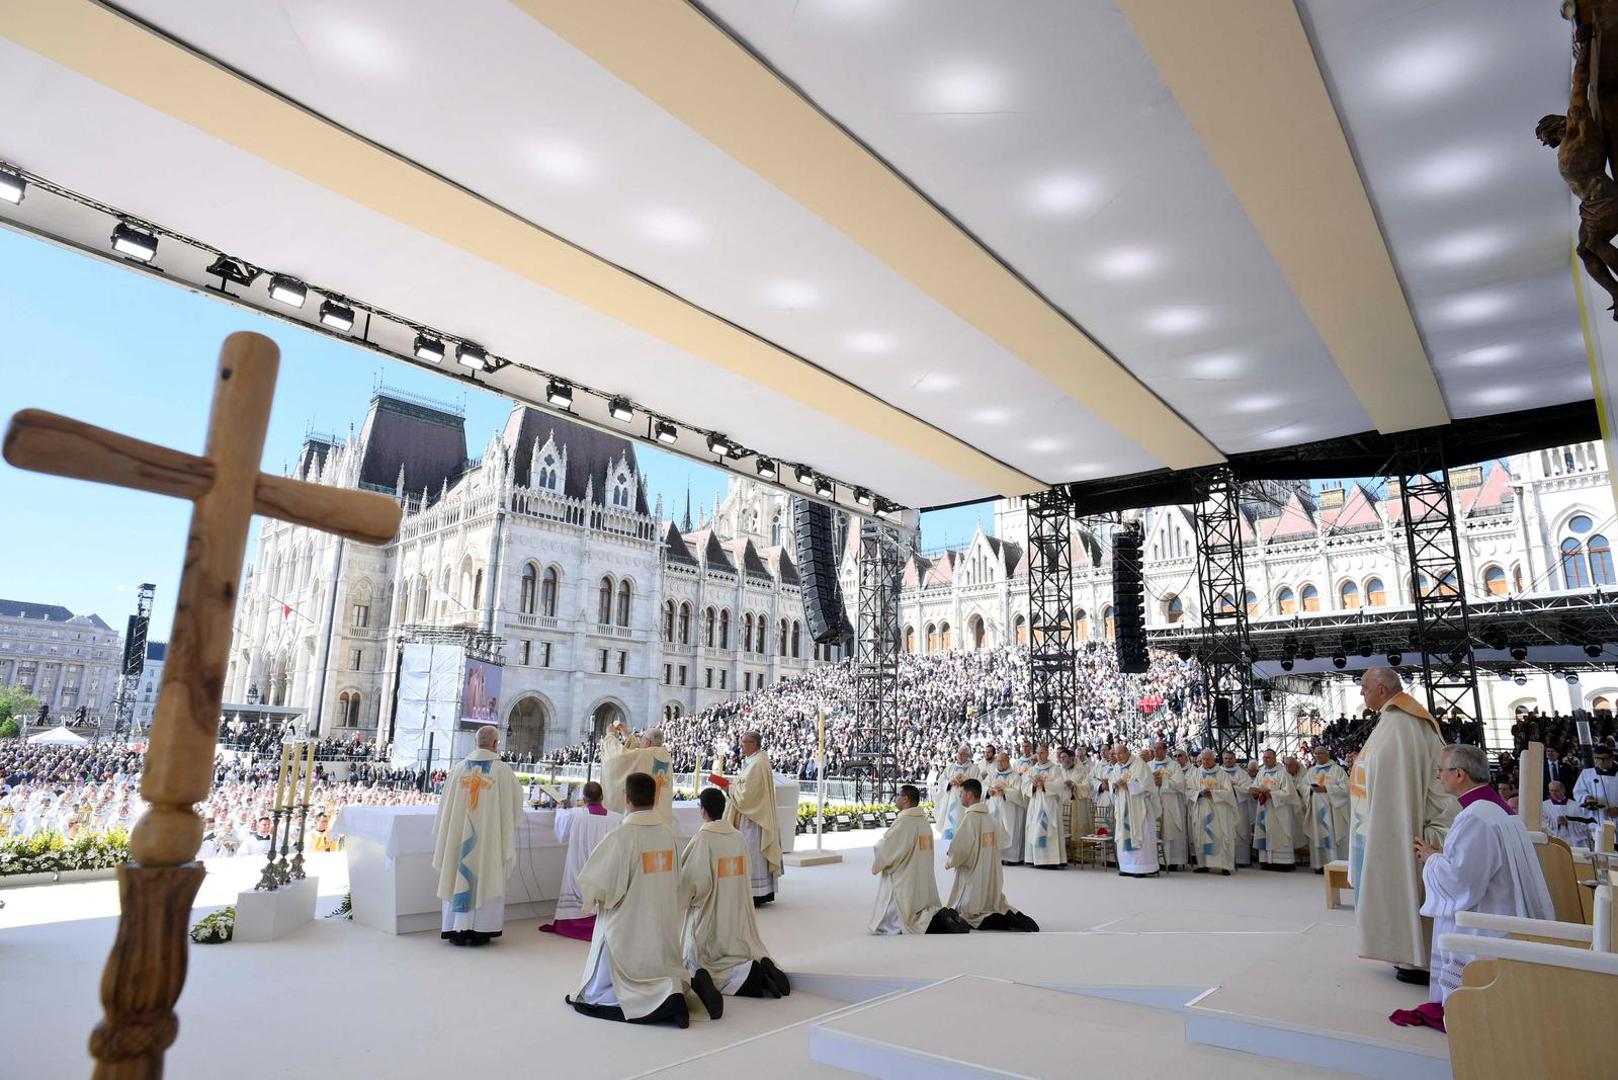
x: 1495, y: 640
x: 804, y: 475
x: 429, y: 348
x: 824, y: 488
x: 1289, y: 646
x: 135, y: 243
x: 287, y: 290
x: 862, y: 497
x: 1307, y: 652
x: 1365, y: 649
x: 1350, y: 643
x: 766, y: 468
x: 886, y: 509
x: 12, y: 187
x: 1592, y: 650
x: 559, y: 394
x: 1520, y: 680
x: 1395, y: 659
x: 621, y: 410
x: 1519, y: 652
x: 233, y: 271
x: 1184, y: 652
x: 1573, y: 676
x: 718, y: 444
x: 337, y: 316
x: 1339, y: 661
x: 665, y: 432
x: 471, y: 356
x: 1286, y: 665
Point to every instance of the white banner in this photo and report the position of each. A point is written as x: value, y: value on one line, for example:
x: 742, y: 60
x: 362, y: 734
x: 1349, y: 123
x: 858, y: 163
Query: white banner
x: 429, y: 704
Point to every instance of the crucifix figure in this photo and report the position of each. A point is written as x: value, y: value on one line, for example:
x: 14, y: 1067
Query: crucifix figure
x: 146, y: 968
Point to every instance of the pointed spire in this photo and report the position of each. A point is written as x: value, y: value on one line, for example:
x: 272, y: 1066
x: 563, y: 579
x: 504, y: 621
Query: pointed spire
x: 533, y: 464
x: 398, y: 485
x: 659, y: 515
x: 685, y: 522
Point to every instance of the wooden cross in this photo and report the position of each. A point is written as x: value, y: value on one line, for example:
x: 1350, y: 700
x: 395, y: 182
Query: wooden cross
x: 146, y: 968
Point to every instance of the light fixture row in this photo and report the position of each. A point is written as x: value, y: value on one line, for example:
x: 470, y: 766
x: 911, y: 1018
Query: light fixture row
x: 138, y: 242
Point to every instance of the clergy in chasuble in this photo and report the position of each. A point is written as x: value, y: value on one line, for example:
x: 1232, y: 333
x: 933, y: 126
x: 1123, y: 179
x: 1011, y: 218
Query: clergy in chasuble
x: 1275, y: 817
x: 1044, y: 785
x: 623, y: 753
x: 632, y: 882
x: 1134, y: 818
x: 1394, y: 796
x: 974, y: 855
x: 907, y: 893
x: 475, y: 841
x: 1008, y: 804
x: 947, y: 791
x: 1171, y: 806
x: 721, y: 934
x: 1244, y: 807
x: 1213, y: 815
x: 1328, y: 810
x: 753, y: 813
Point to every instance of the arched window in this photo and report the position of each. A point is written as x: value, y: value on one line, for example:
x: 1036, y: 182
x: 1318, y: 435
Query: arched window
x: 1174, y: 610
x: 1310, y: 597
x: 668, y: 621
x: 1019, y: 630
x: 625, y: 592
x: 1600, y: 560
x: 547, y: 591
x: 1516, y: 578
x: 604, y: 609
x: 747, y: 631
x: 797, y: 632
x: 1375, y: 594
x: 943, y: 637
x: 724, y: 628
x: 710, y: 620
x: 1575, y: 570
x: 685, y: 623
x: 781, y: 646
x: 1494, y: 581
x: 422, y: 588
x: 1109, y: 626
x: 775, y: 529
x: 1286, y: 602
x: 763, y: 625
x: 974, y: 630
x: 910, y: 639
x: 348, y: 708
x: 1081, y: 626
x: 547, y: 472
x: 1250, y: 601
x: 932, y: 638
x: 1348, y: 596
x: 530, y: 589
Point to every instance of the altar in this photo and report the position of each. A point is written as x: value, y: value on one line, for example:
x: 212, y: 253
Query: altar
x: 390, y: 860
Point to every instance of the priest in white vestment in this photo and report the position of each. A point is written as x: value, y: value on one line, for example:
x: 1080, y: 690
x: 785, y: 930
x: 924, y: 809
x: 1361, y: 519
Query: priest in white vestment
x: 1171, y: 803
x: 947, y: 791
x: 1328, y: 810
x: 1212, y: 802
x: 974, y: 854
x: 753, y: 813
x: 1081, y: 818
x: 1129, y: 785
x: 907, y: 893
x: 1596, y: 790
x: 1394, y: 795
x: 623, y: 753
x: 475, y: 841
x: 1239, y: 781
x: 1044, y: 785
x: 1275, y: 817
x: 635, y: 971
x: 1487, y: 864
x: 1008, y: 804
x: 721, y: 935
x: 579, y: 829
x: 1565, y: 819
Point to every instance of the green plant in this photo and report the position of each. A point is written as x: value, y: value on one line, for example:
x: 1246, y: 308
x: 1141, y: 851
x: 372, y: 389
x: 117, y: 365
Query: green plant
x: 53, y: 853
x: 14, y: 702
x: 215, y: 929
x: 344, y: 910
x: 9, y: 729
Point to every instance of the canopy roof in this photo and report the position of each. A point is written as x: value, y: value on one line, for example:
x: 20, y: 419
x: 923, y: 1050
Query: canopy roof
x: 56, y: 736
x: 943, y: 249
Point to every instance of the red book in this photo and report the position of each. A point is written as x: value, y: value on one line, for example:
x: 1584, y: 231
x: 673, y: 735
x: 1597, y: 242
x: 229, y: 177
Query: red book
x: 718, y: 781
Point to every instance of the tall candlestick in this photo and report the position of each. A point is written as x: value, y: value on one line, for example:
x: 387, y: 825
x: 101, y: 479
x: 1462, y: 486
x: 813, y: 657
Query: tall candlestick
x: 281, y: 779
x: 309, y: 773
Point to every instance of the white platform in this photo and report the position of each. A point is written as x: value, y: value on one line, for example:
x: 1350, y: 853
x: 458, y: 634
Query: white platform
x: 272, y: 914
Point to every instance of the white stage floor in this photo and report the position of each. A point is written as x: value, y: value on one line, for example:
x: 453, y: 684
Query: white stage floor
x: 356, y: 1002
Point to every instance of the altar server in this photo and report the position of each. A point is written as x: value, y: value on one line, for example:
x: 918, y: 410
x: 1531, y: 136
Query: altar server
x: 1394, y: 795
x: 752, y: 812
x: 1213, y: 816
x: 1275, y: 819
x: 1129, y: 782
x: 721, y: 934
x: 1596, y: 790
x: 1327, y: 794
x: 906, y: 893
x: 1045, y: 788
x: 475, y: 841
x: 1487, y: 863
x: 580, y: 829
x: 632, y: 880
x: 1008, y: 804
x: 1565, y: 819
x: 974, y: 855
x: 947, y: 790
x: 1170, y: 805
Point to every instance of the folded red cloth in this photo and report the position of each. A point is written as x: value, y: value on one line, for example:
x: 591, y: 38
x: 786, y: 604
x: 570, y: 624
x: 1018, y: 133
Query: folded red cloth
x: 1427, y: 1014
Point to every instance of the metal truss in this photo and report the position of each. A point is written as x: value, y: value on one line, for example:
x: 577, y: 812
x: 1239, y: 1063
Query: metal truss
x: 1053, y: 681
x: 1227, y: 671
x: 134, y: 666
x: 1438, y: 585
x: 876, y: 660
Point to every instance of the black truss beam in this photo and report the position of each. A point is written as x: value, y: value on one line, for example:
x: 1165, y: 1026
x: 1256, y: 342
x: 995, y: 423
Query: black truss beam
x: 876, y: 660
x: 1227, y: 672
x: 1053, y: 679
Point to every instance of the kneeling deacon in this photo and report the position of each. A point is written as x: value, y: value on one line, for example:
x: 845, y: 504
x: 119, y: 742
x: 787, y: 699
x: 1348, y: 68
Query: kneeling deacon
x: 721, y: 935
x: 475, y: 840
x: 974, y: 855
x: 907, y: 893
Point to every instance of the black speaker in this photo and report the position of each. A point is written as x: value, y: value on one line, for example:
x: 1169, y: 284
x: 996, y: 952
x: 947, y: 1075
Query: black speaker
x: 1128, y: 601
x: 816, y: 532
x: 1221, y: 712
x: 1042, y: 715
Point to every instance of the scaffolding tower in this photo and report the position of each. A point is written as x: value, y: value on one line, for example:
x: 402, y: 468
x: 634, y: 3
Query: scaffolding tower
x: 876, y: 661
x: 1051, y: 674
x: 1227, y: 670
x: 123, y: 701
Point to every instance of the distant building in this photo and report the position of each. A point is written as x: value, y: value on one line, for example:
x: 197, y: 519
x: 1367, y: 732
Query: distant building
x: 151, y: 677
x: 65, y: 660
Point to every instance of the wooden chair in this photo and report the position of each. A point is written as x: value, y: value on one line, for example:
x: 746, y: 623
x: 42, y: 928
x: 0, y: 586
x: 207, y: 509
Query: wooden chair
x: 1336, y: 883
x: 1556, y: 860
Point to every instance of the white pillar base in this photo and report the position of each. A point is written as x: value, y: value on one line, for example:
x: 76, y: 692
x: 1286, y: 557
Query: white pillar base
x: 274, y: 913
x: 811, y: 857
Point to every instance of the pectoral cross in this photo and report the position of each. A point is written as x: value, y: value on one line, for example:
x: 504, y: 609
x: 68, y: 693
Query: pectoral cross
x: 146, y: 968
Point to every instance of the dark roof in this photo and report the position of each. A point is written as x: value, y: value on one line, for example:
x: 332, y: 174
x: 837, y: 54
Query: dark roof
x: 676, y: 547
x: 21, y: 609
x: 429, y: 443
x: 157, y: 650
x: 750, y: 561
x: 314, y: 452
x: 590, y: 453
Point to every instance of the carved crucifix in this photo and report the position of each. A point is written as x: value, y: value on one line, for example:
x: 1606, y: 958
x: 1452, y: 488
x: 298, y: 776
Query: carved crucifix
x: 146, y: 968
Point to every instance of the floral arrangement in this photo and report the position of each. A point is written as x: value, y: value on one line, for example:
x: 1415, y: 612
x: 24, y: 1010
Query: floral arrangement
x: 344, y: 910
x: 53, y: 853
x: 215, y: 929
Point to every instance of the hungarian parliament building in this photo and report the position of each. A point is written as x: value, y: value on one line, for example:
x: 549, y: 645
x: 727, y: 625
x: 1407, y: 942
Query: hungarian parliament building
x: 605, y: 608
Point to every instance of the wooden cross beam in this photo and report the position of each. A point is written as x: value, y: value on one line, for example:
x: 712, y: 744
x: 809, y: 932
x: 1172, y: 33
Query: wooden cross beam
x: 146, y: 968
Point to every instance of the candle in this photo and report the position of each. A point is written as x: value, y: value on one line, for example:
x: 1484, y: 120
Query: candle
x: 281, y: 780
x: 309, y: 772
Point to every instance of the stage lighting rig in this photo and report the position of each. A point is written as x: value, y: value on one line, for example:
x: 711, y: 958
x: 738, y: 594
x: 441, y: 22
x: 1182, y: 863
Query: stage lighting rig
x: 1307, y: 652
x: 665, y: 432
x: 804, y: 475
x: 1395, y: 659
x: 1519, y: 652
x: 12, y: 187
x: 288, y: 290
x: 559, y: 394
x: 137, y: 244
x: 766, y: 468
x: 474, y: 356
x: 1339, y: 661
x: 338, y: 316
x: 1286, y: 664
x: 621, y: 410
x: 233, y: 271
x: 824, y: 487
x: 862, y: 497
x: 1592, y: 650
x: 429, y: 348
x: 718, y: 444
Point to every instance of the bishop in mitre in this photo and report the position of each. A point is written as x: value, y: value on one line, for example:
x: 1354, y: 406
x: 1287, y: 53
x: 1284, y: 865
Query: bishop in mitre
x: 1394, y: 796
x: 622, y: 753
x: 1129, y: 787
x: 635, y: 971
x: 1008, y: 804
x: 1044, y: 785
x: 1213, y: 816
x: 974, y: 854
x: 721, y: 935
x: 1275, y: 817
x: 907, y: 893
x: 580, y: 829
x: 475, y: 841
x: 1328, y: 810
x: 947, y: 790
x: 753, y: 813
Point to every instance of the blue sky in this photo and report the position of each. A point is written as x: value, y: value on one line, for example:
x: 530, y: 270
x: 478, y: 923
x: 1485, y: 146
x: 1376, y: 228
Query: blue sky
x: 114, y: 348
